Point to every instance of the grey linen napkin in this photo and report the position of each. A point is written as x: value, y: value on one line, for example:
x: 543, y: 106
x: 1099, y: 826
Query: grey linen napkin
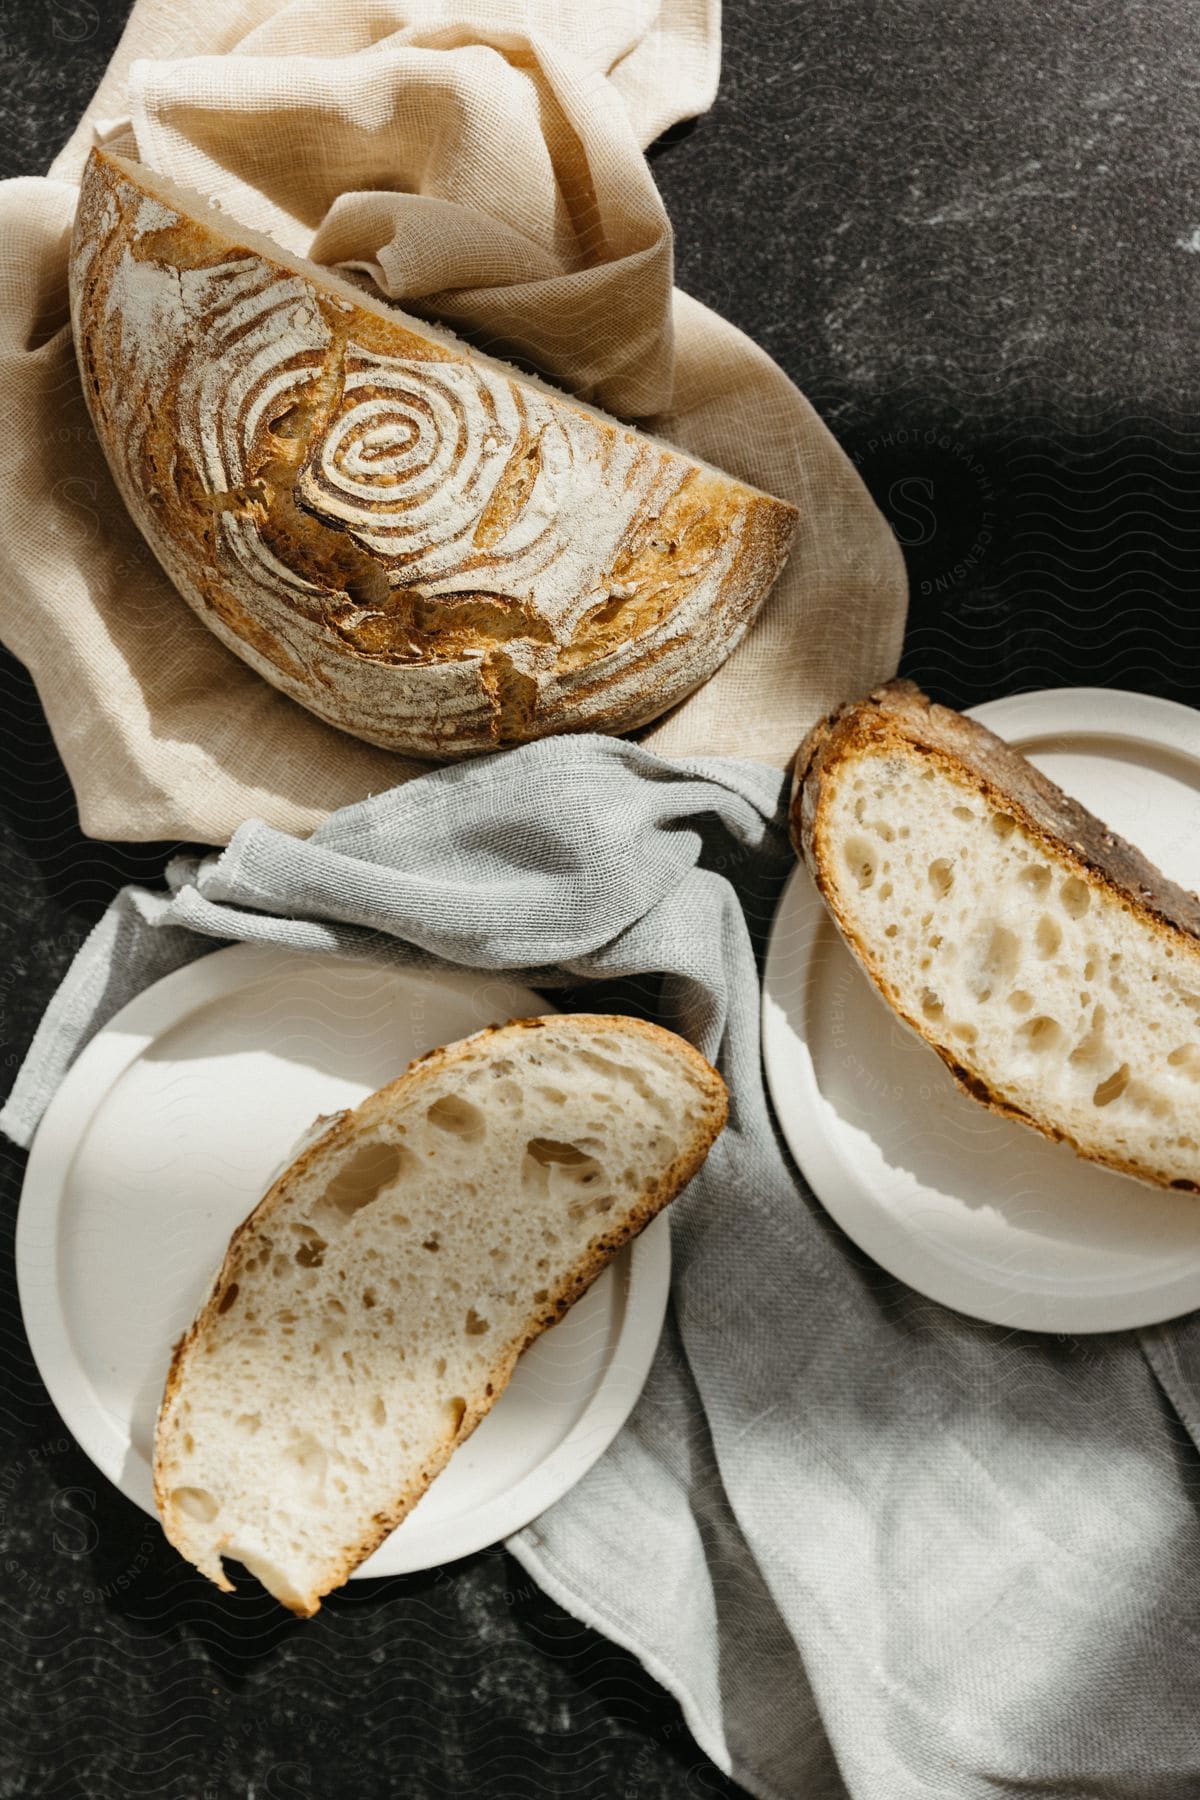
x: 873, y: 1547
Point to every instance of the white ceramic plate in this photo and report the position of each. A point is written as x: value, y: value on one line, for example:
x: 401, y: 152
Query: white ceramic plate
x: 974, y: 1210
x: 171, y: 1126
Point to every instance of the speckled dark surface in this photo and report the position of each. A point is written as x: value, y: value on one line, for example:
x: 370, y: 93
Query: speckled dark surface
x: 972, y: 235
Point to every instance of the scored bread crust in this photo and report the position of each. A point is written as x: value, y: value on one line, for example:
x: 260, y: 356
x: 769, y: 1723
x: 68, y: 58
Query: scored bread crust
x: 898, y: 715
x: 425, y: 1072
x: 423, y: 546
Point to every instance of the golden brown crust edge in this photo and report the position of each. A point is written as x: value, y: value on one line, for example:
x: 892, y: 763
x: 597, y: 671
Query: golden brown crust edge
x: 898, y: 714
x: 423, y: 1069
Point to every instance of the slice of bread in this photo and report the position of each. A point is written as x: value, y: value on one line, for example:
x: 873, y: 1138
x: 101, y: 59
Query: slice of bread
x: 371, y: 1308
x: 1050, y: 965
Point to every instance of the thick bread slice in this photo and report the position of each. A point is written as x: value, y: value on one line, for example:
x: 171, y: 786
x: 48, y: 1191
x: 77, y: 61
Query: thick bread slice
x: 1050, y: 965
x: 371, y: 1308
x: 422, y: 546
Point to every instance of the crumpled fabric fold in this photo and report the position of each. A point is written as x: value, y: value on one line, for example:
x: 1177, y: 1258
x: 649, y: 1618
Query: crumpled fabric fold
x: 482, y: 162
x: 875, y: 1548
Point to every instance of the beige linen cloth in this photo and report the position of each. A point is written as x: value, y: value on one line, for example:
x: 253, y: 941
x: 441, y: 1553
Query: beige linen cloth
x: 482, y: 159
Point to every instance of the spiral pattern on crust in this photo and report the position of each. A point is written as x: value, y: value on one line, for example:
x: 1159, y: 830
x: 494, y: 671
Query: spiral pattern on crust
x: 412, y: 454
x: 456, y: 478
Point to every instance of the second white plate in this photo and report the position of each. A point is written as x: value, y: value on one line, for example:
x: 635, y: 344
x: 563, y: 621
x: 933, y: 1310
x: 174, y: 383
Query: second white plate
x: 171, y: 1126
x: 974, y: 1210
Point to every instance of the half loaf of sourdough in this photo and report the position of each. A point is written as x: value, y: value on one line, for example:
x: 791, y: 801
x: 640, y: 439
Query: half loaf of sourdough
x: 1050, y: 965
x: 422, y: 546
x: 371, y: 1309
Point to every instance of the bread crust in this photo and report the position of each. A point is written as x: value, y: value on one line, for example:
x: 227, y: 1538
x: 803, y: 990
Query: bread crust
x: 898, y: 715
x: 426, y: 1071
x: 420, y: 545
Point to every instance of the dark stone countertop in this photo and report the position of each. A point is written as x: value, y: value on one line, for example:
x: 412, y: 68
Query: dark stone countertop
x: 972, y: 235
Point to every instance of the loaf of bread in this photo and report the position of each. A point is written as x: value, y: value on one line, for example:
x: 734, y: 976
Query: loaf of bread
x: 1050, y: 965
x: 370, y: 1310
x: 422, y: 546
